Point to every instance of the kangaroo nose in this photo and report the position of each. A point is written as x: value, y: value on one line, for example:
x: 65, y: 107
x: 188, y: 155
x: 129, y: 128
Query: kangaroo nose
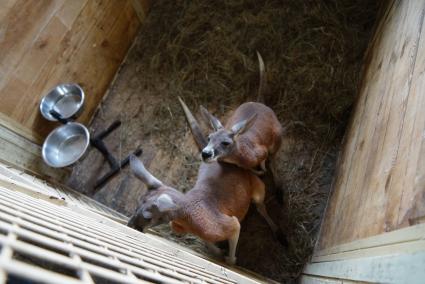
x: 206, y: 154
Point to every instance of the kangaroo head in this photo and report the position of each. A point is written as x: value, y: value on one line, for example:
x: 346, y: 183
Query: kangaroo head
x: 153, y: 210
x: 222, y: 141
x: 157, y: 205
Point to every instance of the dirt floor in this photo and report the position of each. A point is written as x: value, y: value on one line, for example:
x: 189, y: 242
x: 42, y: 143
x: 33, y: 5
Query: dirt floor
x: 204, y: 51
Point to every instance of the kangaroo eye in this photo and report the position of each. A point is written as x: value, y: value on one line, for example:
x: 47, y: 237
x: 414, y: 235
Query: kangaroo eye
x: 225, y: 143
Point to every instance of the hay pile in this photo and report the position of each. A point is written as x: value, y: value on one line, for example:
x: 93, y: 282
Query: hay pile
x: 312, y: 49
x: 204, y: 51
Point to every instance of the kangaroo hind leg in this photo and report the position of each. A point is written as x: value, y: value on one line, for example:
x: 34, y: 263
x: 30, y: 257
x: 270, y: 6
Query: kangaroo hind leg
x: 258, y: 198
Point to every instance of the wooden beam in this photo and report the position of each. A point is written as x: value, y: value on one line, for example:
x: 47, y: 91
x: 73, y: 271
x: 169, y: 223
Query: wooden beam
x: 390, y: 268
x: 20, y: 129
x: 398, y: 248
x: 380, y: 179
x: 23, y: 154
x: 394, y: 257
x: 307, y: 279
x: 50, y: 42
x: 409, y: 234
x: 58, y: 194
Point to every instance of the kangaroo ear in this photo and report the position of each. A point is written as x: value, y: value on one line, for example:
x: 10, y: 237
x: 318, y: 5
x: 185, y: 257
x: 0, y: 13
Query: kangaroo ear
x: 243, y: 125
x: 211, y: 119
x: 165, y: 203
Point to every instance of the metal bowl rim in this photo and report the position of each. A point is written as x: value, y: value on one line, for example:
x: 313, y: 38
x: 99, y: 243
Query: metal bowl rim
x: 43, y: 150
x: 51, y: 118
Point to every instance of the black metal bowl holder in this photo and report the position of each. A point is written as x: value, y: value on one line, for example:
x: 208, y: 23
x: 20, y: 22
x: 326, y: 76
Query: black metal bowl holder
x: 98, y: 143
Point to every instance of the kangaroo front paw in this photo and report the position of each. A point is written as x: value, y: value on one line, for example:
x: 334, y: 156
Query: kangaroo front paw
x: 215, y: 250
x: 231, y: 260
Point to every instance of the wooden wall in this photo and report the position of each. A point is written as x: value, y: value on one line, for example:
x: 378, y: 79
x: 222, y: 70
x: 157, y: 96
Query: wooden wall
x: 373, y: 230
x: 46, y: 42
x: 380, y: 183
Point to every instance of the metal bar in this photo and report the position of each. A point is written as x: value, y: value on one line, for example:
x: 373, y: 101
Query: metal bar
x: 82, y: 273
x: 108, y: 130
x: 58, y: 117
x: 89, y: 246
x: 130, y: 257
x: 149, y: 252
x: 28, y: 271
x: 67, y: 262
x: 101, y: 147
x: 138, y: 246
x: 114, y: 170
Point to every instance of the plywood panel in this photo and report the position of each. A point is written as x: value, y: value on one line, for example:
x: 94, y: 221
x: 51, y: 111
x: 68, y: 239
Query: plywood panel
x: 21, y: 23
x: 380, y: 185
x: 48, y: 42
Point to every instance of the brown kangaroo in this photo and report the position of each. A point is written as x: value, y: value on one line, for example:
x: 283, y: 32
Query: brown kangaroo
x: 212, y: 209
x: 251, y: 135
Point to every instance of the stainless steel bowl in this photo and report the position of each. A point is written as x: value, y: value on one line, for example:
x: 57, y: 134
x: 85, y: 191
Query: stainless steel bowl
x: 65, y: 99
x: 65, y: 145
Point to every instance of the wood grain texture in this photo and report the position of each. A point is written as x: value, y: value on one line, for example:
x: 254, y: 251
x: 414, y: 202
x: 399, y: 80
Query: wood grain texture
x: 141, y: 7
x: 380, y: 186
x: 22, y: 154
x: 386, y: 268
x: 48, y: 42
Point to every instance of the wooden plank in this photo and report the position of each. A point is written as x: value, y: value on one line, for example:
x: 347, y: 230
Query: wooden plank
x: 57, y: 69
x: 20, y: 129
x: 22, y: 21
x: 371, y: 66
x: 23, y: 154
x: 45, y: 45
x: 409, y: 191
x: 399, y: 133
x: 398, y: 248
x: 70, y: 11
x: 408, y: 234
x: 65, y: 41
x: 113, y: 46
x: 93, y: 56
x: 30, y: 192
x: 416, y: 213
x: 381, y: 198
x: 378, y: 167
x: 75, y: 200
x: 392, y: 268
x: 26, y: 24
x: 308, y: 279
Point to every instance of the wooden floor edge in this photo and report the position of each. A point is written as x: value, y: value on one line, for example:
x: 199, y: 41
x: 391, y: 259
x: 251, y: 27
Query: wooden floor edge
x: 393, y: 257
x: 409, y: 234
x: 391, y: 268
x: 20, y: 130
x: 23, y: 154
x: 397, y: 248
